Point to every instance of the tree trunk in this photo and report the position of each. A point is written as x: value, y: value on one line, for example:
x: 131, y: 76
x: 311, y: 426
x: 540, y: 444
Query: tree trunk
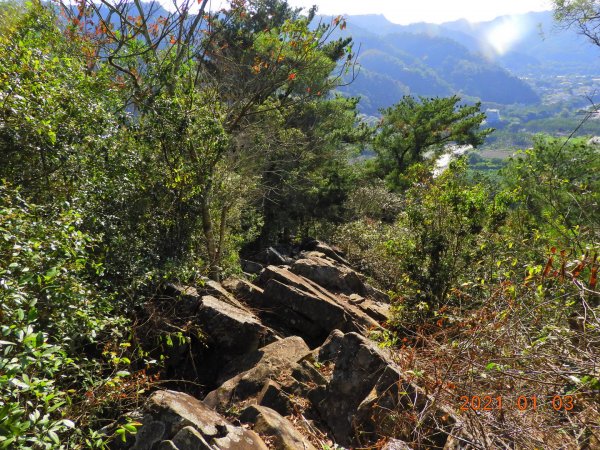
x: 211, y: 247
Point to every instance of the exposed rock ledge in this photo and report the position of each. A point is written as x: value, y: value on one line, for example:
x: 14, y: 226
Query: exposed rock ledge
x: 294, y: 367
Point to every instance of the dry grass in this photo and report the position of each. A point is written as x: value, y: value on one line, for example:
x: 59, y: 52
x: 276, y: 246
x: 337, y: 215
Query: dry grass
x: 523, y: 352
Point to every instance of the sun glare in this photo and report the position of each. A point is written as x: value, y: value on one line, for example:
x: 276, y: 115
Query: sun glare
x: 506, y: 34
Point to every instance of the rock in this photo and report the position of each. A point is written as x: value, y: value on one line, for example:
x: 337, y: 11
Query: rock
x: 357, y: 368
x: 152, y: 431
x: 273, y: 397
x: 367, y: 395
x: 187, y: 423
x: 376, y: 294
x: 395, y: 444
x: 167, y: 445
x: 188, y: 438
x: 273, y: 256
x: 251, y: 266
x: 305, y: 372
x: 233, y: 330
x: 302, y: 307
x: 240, y: 439
x: 289, y: 278
x: 187, y: 298
x: 274, y: 361
x: 215, y: 289
x: 268, y: 422
x: 247, y: 292
x: 329, y: 274
x: 307, y: 315
x: 336, y: 277
x: 377, y: 310
x: 331, y: 347
x: 314, y: 245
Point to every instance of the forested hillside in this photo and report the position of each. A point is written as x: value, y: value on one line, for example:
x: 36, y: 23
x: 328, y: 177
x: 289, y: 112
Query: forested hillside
x: 204, y: 245
x: 479, y: 61
x: 402, y: 63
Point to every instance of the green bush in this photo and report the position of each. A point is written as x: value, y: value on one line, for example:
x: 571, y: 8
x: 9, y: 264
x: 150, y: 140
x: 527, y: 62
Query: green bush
x: 50, y: 308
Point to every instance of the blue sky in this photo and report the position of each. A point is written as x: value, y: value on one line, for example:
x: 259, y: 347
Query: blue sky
x: 436, y: 11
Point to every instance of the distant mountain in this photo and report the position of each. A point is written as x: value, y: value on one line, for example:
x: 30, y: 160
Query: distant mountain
x: 480, y: 61
x: 538, y: 43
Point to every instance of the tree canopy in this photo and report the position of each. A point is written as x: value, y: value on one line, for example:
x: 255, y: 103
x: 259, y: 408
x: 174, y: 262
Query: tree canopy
x: 582, y: 14
x: 413, y: 127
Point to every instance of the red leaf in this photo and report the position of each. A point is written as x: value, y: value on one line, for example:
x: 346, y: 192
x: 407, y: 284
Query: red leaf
x: 548, y: 267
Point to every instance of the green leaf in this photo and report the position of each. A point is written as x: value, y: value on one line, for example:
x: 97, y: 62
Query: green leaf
x: 18, y: 383
x: 131, y: 428
x: 492, y: 366
x: 54, y: 437
x: 39, y: 339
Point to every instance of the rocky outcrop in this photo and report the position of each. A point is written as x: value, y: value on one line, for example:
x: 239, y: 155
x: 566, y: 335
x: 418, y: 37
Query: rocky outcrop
x: 235, y: 331
x: 327, y: 273
x: 270, y: 423
x: 289, y: 356
x: 249, y: 373
x: 312, y: 245
x: 174, y: 420
x: 294, y: 304
x: 367, y: 394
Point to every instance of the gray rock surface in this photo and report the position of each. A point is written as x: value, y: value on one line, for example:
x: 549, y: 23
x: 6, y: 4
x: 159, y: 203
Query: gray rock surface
x: 233, y: 330
x: 270, y: 423
x: 305, y: 308
x: 329, y: 274
x: 186, y: 423
x: 395, y: 444
x: 272, y: 362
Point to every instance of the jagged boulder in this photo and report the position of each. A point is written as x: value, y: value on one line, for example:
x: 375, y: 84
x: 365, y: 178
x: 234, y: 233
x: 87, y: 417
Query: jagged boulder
x: 245, y: 291
x: 375, y: 309
x: 313, y: 245
x: 272, y: 362
x: 329, y: 274
x: 216, y: 289
x: 296, y: 305
x: 268, y: 422
x: 337, y: 277
x: 367, y: 395
x: 233, y: 330
x: 304, y: 314
x: 251, y: 267
x: 273, y: 396
x: 177, y: 421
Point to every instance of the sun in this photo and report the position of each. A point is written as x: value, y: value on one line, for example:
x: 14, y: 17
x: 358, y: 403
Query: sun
x: 506, y: 34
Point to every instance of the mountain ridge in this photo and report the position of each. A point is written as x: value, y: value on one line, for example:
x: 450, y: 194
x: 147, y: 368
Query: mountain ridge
x: 484, y: 61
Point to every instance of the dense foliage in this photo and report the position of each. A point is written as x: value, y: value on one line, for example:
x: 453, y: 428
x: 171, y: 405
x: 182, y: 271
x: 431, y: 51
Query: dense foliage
x: 414, y: 127
x: 141, y: 146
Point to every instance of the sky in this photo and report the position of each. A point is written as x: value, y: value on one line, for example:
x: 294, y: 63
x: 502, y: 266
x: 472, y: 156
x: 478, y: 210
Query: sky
x: 433, y: 11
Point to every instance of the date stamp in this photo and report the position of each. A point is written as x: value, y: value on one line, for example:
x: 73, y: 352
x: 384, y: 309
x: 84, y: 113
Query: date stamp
x: 520, y: 403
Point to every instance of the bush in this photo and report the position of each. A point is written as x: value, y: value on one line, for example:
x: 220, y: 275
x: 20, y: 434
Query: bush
x: 50, y: 310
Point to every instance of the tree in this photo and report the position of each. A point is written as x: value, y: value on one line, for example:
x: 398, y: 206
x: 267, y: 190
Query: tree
x: 411, y: 128
x: 197, y: 82
x: 48, y: 105
x: 556, y: 183
x: 582, y: 14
